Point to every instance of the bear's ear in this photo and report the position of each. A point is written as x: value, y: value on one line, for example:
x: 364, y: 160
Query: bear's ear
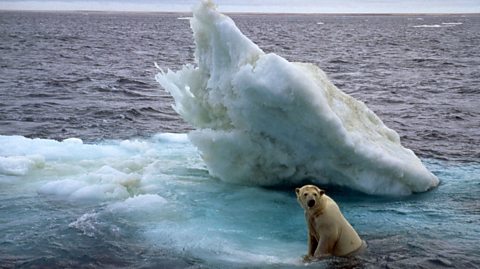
x: 320, y: 191
x: 297, y: 191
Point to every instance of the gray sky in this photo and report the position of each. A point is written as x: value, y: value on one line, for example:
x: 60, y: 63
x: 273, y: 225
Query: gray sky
x: 281, y: 6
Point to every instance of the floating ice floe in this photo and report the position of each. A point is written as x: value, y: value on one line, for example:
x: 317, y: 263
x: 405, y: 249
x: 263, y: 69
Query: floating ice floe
x: 452, y: 23
x: 72, y: 170
x: 184, y: 18
x: 427, y: 26
x: 443, y: 24
x: 262, y: 120
x: 20, y: 165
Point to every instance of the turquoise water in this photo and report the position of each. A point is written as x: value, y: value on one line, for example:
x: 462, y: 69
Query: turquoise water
x: 151, y: 202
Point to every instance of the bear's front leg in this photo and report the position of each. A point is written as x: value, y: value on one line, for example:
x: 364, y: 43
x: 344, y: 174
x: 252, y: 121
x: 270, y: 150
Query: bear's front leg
x: 325, y: 247
x: 312, y: 246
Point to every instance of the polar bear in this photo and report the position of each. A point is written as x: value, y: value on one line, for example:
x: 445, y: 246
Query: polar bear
x: 329, y: 233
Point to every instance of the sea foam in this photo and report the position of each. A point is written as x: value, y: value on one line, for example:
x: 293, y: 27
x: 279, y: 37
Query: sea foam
x: 262, y: 120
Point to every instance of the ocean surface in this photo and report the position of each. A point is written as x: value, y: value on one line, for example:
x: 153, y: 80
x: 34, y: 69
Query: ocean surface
x: 96, y: 169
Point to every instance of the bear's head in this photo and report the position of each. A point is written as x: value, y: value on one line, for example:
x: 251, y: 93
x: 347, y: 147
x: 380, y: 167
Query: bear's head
x: 309, y: 196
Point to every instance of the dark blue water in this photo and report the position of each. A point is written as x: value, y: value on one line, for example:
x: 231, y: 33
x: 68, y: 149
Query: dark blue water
x: 130, y: 195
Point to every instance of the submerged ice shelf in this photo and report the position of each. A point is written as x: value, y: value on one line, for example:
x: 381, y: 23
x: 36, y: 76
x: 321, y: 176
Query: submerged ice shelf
x: 262, y: 120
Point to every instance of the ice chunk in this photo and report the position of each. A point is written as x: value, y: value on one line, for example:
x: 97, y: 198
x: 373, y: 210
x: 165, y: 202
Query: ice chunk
x: 143, y: 203
x: 20, y: 165
x: 262, y: 120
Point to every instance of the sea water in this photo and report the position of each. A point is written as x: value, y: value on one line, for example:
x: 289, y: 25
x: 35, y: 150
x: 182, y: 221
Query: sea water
x: 151, y: 202
x: 92, y: 176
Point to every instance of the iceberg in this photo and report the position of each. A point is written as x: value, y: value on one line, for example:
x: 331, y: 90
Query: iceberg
x: 262, y: 120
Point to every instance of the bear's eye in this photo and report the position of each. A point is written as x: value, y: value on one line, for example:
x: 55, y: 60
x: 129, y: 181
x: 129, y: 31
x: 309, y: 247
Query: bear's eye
x: 314, y: 194
x: 305, y: 194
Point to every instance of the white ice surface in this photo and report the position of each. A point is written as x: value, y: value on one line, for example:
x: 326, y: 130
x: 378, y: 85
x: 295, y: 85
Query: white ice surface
x: 262, y: 120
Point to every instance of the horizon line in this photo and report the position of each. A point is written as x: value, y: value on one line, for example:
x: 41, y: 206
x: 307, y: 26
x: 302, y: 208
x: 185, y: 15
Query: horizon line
x: 243, y: 12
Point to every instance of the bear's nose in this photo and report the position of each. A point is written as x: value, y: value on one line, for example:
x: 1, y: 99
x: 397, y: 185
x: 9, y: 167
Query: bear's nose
x: 311, y: 203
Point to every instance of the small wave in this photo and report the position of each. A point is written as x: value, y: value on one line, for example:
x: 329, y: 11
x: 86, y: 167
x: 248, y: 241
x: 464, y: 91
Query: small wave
x: 422, y: 60
x: 117, y: 90
x: 338, y: 61
x: 184, y: 18
x: 103, y: 113
x: 61, y: 82
x: 134, y: 112
x: 68, y: 38
x: 150, y: 110
x: 39, y: 95
x: 132, y: 93
x: 86, y: 224
x: 130, y: 81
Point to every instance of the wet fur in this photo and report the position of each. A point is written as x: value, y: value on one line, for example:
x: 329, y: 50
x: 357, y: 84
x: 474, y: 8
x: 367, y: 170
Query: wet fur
x: 329, y: 233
